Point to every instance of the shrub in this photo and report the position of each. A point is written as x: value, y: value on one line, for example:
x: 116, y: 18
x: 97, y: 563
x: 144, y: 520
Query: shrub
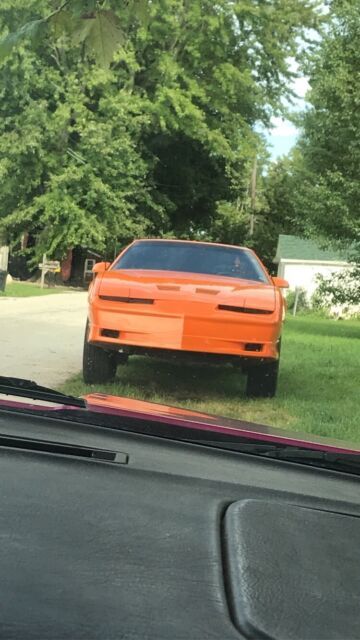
x: 302, y: 304
x: 339, y: 289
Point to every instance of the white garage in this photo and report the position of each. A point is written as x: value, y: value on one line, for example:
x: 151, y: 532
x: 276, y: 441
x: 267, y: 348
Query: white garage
x: 300, y: 260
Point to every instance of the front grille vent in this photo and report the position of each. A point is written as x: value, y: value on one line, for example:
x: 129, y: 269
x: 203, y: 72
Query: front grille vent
x: 227, y: 307
x: 127, y: 300
x: 253, y: 346
x: 110, y: 333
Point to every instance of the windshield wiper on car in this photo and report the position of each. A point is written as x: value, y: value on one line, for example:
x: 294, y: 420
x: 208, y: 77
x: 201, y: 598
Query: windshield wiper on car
x: 62, y: 449
x: 28, y: 388
x: 339, y: 461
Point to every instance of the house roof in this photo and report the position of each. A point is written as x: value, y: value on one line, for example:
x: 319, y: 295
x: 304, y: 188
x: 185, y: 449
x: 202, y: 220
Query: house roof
x: 294, y: 248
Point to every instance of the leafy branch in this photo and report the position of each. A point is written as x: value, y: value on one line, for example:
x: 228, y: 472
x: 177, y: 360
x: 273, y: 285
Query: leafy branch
x: 84, y: 22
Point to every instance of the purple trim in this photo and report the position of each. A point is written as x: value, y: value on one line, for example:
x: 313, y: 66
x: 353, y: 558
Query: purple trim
x: 237, y: 428
x: 226, y: 426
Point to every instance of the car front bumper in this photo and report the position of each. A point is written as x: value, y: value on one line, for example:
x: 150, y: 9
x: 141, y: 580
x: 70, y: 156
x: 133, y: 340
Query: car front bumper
x: 116, y: 326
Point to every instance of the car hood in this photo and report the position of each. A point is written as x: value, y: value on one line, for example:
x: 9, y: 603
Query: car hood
x: 104, y: 404
x: 177, y: 416
x: 167, y: 285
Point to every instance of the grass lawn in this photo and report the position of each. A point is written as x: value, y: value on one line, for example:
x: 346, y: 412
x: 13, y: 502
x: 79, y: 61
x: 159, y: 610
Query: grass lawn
x: 28, y: 289
x: 319, y: 385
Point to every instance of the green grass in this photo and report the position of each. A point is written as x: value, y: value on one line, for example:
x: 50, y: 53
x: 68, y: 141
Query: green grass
x: 318, y: 386
x: 27, y: 290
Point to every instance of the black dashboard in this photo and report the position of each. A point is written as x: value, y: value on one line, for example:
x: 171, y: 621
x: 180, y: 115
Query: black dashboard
x: 173, y: 541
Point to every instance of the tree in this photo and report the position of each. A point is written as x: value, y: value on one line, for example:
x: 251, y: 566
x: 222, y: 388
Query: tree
x: 70, y: 160
x: 216, y: 71
x: 277, y: 211
x: 154, y: 134
x: 338, y: 289
x: 327, y: 193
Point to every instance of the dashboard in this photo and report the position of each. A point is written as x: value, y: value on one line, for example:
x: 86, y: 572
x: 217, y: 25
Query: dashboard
x: 172, y: 541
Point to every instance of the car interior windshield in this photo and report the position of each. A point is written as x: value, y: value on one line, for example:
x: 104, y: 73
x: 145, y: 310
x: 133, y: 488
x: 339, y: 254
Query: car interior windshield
x: 192, y: 258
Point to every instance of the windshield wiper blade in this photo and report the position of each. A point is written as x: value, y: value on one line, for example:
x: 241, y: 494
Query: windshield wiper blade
x: 326, y: 459
x: 28, y: 388
x: 62, y: 449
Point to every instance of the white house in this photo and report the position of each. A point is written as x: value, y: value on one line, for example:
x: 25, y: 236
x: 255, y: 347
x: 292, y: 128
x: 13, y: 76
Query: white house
x: 299, y: 261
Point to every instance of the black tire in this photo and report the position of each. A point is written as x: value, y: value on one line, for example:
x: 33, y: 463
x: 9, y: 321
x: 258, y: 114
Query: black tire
x: 122, y: 358
x: 262, y: 380
x: 99, y: 365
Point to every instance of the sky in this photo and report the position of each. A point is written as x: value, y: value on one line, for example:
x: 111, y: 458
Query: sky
x: 283, y: 135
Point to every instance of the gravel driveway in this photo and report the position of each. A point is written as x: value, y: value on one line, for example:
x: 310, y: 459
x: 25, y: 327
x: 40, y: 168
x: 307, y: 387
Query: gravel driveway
x: 41, y: 338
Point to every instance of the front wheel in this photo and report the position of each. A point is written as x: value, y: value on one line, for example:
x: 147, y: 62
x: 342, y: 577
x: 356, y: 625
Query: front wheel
x: 262, y: 380
x: 99, y: 365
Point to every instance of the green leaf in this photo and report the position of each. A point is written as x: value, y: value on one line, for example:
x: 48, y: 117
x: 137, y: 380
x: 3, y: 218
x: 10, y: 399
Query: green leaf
x: 76, y: 28
x: 104, y: 37
x: 81, y: 29
x: 62, y: 23
x: 29, y: 31
x: 83, y: 7
x: 141, y: 10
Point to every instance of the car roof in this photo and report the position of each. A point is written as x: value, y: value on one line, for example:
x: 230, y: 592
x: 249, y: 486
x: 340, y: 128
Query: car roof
x: 202, y: 242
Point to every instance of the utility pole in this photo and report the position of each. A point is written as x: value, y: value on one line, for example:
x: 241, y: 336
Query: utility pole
x: 253, y: 196
x: 4, y: 260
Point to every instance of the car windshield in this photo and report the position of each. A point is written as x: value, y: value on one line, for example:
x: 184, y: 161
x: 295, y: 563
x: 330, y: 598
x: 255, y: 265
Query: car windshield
x: 192, y: 258
x: 180, y: 206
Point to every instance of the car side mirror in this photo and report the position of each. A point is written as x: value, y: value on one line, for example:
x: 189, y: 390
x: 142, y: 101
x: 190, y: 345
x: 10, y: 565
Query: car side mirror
x: 100, y: 267
x: 280, y: 282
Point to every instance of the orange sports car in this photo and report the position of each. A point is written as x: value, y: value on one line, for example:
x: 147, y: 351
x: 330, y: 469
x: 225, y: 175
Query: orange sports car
x: 194, y: 300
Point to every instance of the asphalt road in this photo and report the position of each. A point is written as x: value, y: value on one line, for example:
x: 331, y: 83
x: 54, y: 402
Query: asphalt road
x: 41, y: 338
